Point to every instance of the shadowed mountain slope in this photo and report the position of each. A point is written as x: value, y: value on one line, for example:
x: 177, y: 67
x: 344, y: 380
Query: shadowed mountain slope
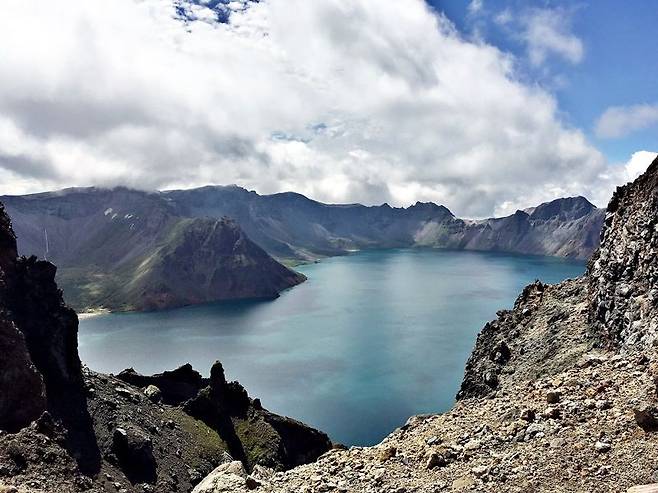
x: 126, y: 250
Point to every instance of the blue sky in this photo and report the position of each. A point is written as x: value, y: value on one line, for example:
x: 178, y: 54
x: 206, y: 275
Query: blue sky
x: 618, y: 68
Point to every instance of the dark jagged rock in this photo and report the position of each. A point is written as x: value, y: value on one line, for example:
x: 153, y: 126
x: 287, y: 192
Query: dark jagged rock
x: 646, y: 418
x: 134, y: 450
x: 22, y: 392
x: 50, y: 370
x: 50, y: 327
x: 176, y: 386
x: 623, y: 273
x: 252, y: 434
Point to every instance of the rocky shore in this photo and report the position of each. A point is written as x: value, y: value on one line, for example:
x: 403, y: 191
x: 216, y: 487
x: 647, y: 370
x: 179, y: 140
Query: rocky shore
x: 559, y: 394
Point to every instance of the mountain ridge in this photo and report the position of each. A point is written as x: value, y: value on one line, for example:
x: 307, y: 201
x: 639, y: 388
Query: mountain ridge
x: 101, y: 238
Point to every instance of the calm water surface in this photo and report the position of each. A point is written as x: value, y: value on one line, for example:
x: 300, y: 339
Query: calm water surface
x: 367, y: 341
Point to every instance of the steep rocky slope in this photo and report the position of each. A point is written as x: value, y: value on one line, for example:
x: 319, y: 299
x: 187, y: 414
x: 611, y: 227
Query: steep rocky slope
x: 65, y: 429
x: 559, y: 394
x: 125, y: 250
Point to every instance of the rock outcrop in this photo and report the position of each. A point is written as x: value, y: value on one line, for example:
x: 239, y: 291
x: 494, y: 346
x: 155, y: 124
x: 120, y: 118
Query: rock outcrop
x: 623, y: 273
x: 22, y: 391
x: 252, y: 434
x: 39, y: 335
x: 559, y: 394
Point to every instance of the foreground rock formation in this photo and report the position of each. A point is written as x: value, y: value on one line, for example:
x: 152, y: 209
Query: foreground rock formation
x: 559, y: 394
x: 66, y: 429
x: 124, y: 249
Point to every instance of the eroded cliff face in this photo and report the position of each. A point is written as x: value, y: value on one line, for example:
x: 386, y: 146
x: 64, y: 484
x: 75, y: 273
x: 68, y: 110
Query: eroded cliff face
x: 39, y: 336
x: 623, y: 273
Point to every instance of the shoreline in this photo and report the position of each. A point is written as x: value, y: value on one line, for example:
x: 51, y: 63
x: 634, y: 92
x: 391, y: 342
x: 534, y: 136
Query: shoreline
x: 93, y: 313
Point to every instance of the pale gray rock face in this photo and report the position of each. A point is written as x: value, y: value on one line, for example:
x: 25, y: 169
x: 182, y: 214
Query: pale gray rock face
x: 226, y: 478
x: 623, y: 273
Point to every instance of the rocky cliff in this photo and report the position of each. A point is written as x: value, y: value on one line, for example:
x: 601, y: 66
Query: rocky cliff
x: 559, y: 394
x: 65, y: 429
x: 291, y: 226
x: 623, y: 273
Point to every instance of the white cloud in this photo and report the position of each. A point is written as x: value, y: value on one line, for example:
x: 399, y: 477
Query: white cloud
x: 618, y: 121
x: 548, y: 32
x: 342, y: 101
x: 638, y: 164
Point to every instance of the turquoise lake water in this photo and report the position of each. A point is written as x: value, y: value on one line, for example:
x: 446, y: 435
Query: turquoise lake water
x: 369, y: 340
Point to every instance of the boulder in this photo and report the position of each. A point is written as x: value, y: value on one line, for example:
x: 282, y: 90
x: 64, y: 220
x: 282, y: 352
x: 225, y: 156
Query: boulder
x: 153, y: 393
x: 134, y: 450
x: 646, y: 417
x: 226, y: 478
x: 645, y: 488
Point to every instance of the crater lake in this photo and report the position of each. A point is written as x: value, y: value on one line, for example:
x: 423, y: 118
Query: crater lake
x: 369, y: 340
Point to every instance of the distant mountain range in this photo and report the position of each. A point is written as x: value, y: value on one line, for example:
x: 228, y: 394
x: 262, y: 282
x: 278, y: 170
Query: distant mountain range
x: 124, y: 249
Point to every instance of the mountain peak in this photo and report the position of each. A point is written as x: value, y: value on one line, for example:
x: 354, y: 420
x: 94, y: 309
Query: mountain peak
x: 431, y: 207
x: 567, y: 208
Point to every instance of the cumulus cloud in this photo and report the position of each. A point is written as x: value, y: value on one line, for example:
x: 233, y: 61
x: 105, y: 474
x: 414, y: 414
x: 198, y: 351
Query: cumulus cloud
x: 638, y: 164
x: 618, y: 121
x: 619, y: 174
x: 342, y: 101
